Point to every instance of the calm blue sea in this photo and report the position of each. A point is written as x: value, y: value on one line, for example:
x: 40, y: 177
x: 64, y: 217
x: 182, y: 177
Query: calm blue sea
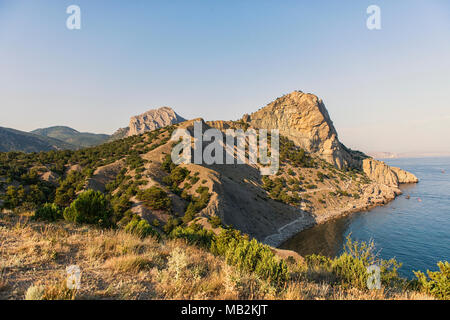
x: 416, y: 231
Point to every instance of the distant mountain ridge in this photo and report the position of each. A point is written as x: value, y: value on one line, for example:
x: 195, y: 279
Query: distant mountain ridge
x: 16, y: 140
x: 392, y: 155
x: 63, y: 137
x: 72, y: 136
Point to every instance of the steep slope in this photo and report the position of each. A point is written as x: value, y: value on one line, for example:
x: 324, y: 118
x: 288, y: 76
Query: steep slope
x: 72, y: 136
x: 148, y: 121
x: 15, y: 140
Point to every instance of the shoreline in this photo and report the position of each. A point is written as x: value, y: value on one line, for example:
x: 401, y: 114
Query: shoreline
x: 305, y: 222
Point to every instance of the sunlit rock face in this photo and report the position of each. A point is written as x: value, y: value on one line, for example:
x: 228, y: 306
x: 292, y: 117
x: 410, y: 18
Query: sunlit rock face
x: 303, y: 118
x: 152, y: 120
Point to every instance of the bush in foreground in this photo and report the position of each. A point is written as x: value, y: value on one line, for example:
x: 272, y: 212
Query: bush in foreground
x: 141, y: 228
x: 90, y: 207
x: 247, y: 255
x: 438, y: 282
x: 48, y: 212
x: 350, y: 268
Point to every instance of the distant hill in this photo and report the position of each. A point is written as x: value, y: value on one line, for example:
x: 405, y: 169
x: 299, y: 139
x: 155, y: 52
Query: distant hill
x: 383, y: 155
x: 72, y: 136
x: 15, y: 140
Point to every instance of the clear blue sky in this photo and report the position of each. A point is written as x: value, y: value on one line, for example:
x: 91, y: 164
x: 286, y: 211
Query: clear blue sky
x: 386, y: 90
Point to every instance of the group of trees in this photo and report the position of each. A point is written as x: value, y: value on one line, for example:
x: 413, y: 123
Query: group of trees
x: 155, y: 198
x: 20, y: 172
x: 295, y: 155
x: 21, y: 187
x: 278, y: 190
x: 176, y: 176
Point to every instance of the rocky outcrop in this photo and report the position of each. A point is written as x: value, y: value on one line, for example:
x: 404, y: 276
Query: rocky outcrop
x: 104, y: 175
x: 377, y: 194
x: 148, y: 121
x: 152, y: 120
x: 380, y: 172
x: 303, y: 118
x: 404, y: 176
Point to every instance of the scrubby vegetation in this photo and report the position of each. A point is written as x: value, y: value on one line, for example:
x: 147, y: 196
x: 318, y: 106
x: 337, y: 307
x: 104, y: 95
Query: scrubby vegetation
x: 155, y: 198
x: 350, y: 268
x: 296, y: 156
x: 173, y: 251
x: 141, y: 228
x: 48, y: 212
x: 24, y: 170
x: 90, y: 207
x: 436, y: 283
x: 192, y: 263
x: 196, y: 202
x: 239, y: 251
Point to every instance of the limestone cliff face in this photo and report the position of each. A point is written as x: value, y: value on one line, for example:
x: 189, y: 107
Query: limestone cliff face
x: 152, y: 120
x: 303, y: 118
x: 404, y: 176
x: 382, y: 173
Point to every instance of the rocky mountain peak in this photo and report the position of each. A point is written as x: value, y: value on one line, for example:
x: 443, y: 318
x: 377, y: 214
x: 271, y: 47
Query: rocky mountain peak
x: 152, y: 120
x: 303, y: 118
x: 148, y: 121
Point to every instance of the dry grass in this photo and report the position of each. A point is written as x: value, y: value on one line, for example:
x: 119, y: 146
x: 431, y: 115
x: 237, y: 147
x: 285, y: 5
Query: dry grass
x: 117, y: 265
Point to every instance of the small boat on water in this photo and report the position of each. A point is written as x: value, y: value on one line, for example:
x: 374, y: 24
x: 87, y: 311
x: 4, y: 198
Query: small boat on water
x: 408, y: 197
x: 443, y: 171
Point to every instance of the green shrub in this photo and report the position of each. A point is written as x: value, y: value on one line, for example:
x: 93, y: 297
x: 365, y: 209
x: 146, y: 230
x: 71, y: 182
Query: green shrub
x: 250, y: 255
x: 438, y: 282
x: 190, y: 213
x: 247, y: 255
x: 350, y: 268
x: 176, y: 176
x: 155, y: 198
x: 48, y: 212
x: 90, y: 207
x: 215, y: 221
x: 167, y: 165
x: 193, y: 234
x: 194, y: 179
x: 141, y: 228
x: 155, y: 223
x: 196, y: 204
x: 171, y: 224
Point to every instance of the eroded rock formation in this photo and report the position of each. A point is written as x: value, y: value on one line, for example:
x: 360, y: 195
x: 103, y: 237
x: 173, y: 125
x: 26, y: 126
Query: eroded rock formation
x: 303, y: 118
x: 148, y: 121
